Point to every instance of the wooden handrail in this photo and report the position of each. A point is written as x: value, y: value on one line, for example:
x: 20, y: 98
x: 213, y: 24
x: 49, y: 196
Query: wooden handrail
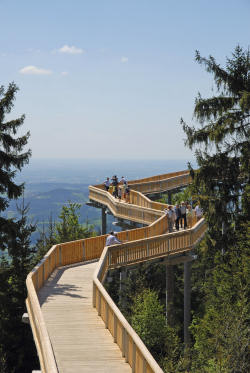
x: 142, y: 244
x: 133, y: 349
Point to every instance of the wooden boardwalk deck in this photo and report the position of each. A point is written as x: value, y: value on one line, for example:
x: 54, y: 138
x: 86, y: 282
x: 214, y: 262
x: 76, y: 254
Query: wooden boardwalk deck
x: 79, y: 339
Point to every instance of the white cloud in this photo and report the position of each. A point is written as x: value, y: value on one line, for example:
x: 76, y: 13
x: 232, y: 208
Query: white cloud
x: 64, y: 73
x: 124, y: 59
x: 33, y: 70
x: 70, y: 50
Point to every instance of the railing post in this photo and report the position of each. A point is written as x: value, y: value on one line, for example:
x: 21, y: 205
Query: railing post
x: 37, y: 281
x: 123, y: 342
x: 60, y: 255
x: 43, y: 272
x: 126, y: 346
x: 94, y: 295
x: 109, y: 257
x: 106, y: 315
x: 115, y: 328
x: 83, y: 251
x: 99, y: 303
x: 134, y: 358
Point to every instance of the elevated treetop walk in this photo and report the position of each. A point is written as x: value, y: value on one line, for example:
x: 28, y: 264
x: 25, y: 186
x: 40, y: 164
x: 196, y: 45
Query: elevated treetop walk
x: 53, y: 300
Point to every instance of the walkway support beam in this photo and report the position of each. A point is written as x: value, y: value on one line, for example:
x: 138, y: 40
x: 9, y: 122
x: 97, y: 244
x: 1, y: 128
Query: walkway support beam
x: 104, y: 220
x: 187, y: 302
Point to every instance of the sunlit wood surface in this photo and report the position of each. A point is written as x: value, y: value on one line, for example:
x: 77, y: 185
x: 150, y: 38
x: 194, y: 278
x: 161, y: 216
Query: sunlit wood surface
x: 80, y: 341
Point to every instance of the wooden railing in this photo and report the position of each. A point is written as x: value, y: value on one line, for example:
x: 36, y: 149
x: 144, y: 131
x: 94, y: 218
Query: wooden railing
x: 162, y: 185
x: 133, y: 349
x: 141, y: 244
x: 140, y: 214
x: 158, y: 183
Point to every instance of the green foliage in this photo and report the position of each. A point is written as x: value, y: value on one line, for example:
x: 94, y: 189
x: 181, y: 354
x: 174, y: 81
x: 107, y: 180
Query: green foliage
x: 149, y: 321
x: 16, y: 343
x: 11, y: 158
x: 185, y: 195
x: 221, y: 184
x: 17, y: 350
x: 68, y: 229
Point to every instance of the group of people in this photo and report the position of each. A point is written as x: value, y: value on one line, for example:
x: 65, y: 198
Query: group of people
x: 177, y: 215
x: 119, y: 189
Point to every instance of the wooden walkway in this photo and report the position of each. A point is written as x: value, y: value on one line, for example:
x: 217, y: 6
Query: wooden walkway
x: 78, y: 335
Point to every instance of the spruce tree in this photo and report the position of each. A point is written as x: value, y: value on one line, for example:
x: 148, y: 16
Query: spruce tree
x: 16, y: 343
x: 221, y: 184
x: 12, y: 159
x: 223, y: 142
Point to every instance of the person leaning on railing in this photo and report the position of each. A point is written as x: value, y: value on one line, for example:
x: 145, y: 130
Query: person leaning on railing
x: 112, y: 239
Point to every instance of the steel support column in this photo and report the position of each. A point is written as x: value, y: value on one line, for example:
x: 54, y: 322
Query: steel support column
x: 187, y: 302
x: 104, y: 220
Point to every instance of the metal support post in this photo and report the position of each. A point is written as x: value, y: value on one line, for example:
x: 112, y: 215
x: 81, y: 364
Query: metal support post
x: 104, y: 220
x: 187, y: 302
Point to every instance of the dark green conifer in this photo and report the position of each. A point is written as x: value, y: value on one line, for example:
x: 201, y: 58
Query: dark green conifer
x: 12, y: 159
x: 221, y: 184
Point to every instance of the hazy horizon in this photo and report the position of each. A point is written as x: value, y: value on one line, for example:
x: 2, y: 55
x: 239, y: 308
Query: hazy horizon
x: 95, y: 170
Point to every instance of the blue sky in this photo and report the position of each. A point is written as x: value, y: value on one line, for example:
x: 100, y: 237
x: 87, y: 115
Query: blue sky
x: 112, y: 78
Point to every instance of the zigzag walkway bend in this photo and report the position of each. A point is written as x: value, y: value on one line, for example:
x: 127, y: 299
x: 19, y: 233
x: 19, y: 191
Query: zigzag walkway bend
x: 73, y: 319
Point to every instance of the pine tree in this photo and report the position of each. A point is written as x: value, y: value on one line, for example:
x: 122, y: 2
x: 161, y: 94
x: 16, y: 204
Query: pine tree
x: 12, y: 159
x: 16, y: 342
x: 221, y: 184
x: 223, y: 141
x: 69, y: 228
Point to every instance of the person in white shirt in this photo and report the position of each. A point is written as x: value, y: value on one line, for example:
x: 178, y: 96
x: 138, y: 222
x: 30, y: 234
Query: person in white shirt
x: 112, y: 239
x: 107, y: 184
x: 123, y: 181
x: 171, y: 218
x: 198, y: 212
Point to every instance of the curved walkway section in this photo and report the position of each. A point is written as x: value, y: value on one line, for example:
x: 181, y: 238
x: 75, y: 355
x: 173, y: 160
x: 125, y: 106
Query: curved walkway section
x: 69, y: 335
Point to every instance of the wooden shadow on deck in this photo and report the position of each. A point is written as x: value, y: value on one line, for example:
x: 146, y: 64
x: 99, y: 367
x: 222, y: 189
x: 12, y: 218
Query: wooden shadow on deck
x: 52, y: 288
